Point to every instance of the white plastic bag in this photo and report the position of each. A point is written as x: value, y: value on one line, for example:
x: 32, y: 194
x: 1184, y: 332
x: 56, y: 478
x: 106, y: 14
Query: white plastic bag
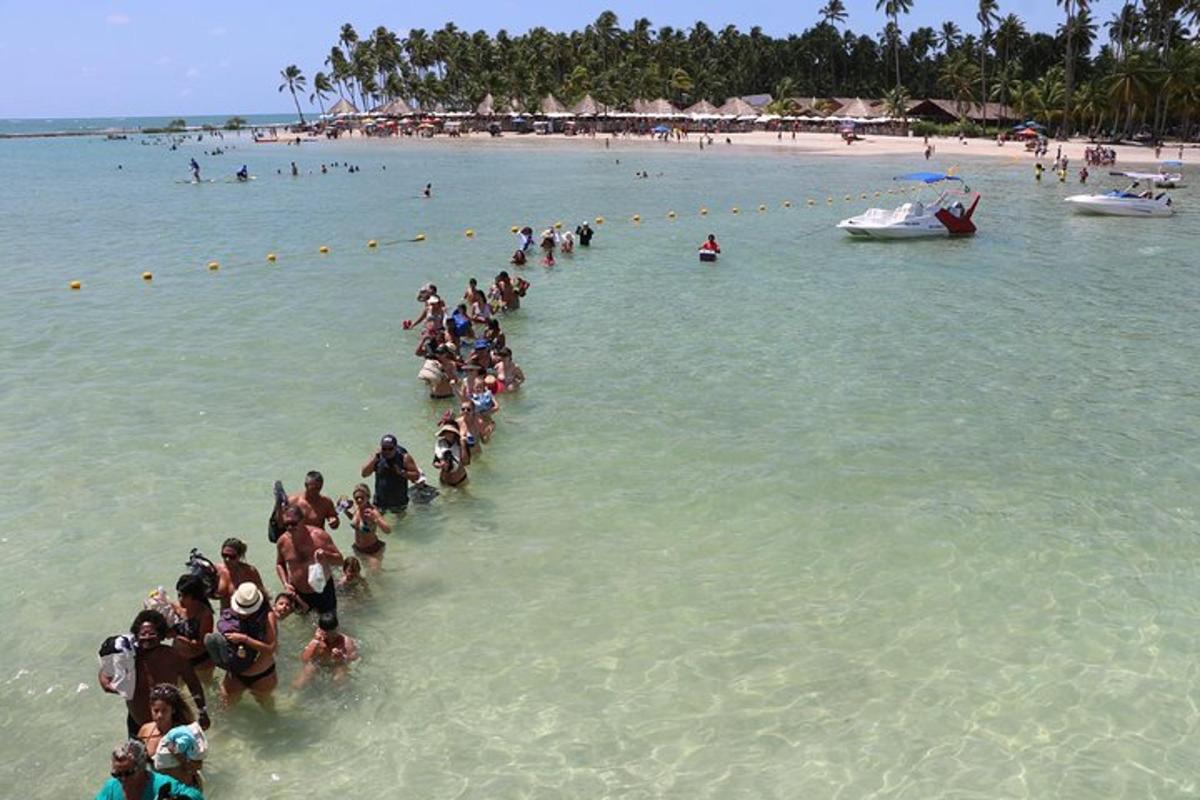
x: 316, y: 577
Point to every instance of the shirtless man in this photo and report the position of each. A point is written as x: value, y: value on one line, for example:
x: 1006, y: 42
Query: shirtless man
x: 300, y: 546
x: 318, y: 509
x: 155, y: 664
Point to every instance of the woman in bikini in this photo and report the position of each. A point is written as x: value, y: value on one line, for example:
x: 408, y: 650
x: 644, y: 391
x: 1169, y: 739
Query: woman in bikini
x: 168, y: 710
x: 249, y: 626
x: 367, y: 522
x: 233, y: 571
x: 195, y: 622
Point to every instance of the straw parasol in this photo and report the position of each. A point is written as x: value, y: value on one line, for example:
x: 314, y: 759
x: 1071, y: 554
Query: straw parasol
x: 342, y: 107
x: 737, y: 107
x: 550, y: 105
x: 396, y: 108
x: 702, y: 109
x: 588, y: 107
x: 486, y: 106
x: 656, y: 108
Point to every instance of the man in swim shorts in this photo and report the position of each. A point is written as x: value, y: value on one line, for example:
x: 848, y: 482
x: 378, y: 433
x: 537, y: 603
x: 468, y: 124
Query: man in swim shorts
x: 394, y: 468
x: 299, y: 547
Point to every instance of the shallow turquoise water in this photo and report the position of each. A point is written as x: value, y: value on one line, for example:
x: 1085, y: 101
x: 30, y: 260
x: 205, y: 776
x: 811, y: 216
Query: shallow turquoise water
x: 831, y: 519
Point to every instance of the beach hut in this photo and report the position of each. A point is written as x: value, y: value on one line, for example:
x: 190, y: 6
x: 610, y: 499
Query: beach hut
x: 342, y: 108
x: 656, y: 108
x: 395, y: 108
x: 702, y: 110
x: 736, y: 108
x: 549, y: 106
x: 588, y: 107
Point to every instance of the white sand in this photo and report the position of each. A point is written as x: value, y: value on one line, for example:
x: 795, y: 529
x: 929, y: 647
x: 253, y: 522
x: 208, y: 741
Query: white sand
x: 816, y: 144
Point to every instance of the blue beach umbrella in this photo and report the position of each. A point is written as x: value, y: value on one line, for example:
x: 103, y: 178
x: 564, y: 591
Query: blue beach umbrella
x: 661, y: 129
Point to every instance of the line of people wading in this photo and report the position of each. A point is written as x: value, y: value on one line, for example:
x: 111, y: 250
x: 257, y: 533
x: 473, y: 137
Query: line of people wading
x: 466, y: 359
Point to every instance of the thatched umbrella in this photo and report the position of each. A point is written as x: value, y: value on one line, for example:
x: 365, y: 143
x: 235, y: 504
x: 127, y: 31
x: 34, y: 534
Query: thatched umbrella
x: 342, y: 107
x: 737, y: 107
x: 550, y: 105
x: 702, y: 109
x: 396, y: 108
x: 487, y: 106
x: 658, y: 108
x: 588, y: 107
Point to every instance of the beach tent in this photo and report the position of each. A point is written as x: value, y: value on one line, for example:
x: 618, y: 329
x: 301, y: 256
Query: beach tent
x: 737, y: 107
x: 342, y: 107
x: 1028, y: 132
x: 702, y: 110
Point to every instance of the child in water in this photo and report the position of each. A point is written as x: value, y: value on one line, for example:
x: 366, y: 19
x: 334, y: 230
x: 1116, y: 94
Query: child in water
x: 352, y: 581
x: 548, y: 259
x: 329, y: 648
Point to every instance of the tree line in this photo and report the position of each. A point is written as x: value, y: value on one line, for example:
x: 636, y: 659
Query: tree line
x: 1145, y: 73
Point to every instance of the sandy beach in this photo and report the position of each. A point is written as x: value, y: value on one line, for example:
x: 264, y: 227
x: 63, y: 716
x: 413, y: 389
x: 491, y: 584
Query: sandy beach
x: 815, y: 144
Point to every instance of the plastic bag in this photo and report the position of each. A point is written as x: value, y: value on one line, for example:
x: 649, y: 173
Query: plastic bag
x: 158, y: 601
x: 117, y: 661
x: 316, y: 577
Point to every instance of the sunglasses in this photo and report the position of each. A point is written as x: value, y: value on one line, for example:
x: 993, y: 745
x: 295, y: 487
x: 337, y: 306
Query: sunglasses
x: 125, y: 773
x: 229, y: 556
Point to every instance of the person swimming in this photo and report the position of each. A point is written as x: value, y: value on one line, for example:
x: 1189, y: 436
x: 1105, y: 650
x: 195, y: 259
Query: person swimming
x: 243, y: 174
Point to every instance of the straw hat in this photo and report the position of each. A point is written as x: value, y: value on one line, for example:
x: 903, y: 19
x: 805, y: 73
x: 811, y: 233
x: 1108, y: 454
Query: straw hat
x: 246, y: 600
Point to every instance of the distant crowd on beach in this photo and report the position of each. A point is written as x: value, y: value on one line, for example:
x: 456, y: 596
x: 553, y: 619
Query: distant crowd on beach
x: 223, y: 618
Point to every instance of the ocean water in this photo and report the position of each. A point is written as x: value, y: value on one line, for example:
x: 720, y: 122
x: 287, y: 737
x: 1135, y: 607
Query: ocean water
x: 826, y: 519
x: 29, y: 126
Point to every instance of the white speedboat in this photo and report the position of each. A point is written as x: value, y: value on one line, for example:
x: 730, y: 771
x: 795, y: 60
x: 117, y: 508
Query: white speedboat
x: 947, y: 215
x: 1159, y: 180
x: 1123, y: 204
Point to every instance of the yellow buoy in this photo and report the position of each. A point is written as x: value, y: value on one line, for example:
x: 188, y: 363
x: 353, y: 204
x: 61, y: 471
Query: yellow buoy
x: 811, y: 202
x: 420, y: 237
x: 787, y: 203
x: 75, y: 285
x: 670, y: 215
x: 599, y: 220
x: 513, y: 229
x: 558, y: 226
x: 877, y: 194
x: 736, y: 209
x: 322, y: 249
x: 848, y: 197
x: 762, y: 208
x: 637, y: 217
x: 470, y: 234
x: 214, y: 265
x: 372, y: 243
x: 147, y: 276
x: 704, y: 212
x: 271, y: 257
x: 864, y: 196
x: 829, y: 200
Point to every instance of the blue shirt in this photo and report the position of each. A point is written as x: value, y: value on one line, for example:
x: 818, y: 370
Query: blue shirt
x: 112, y: 790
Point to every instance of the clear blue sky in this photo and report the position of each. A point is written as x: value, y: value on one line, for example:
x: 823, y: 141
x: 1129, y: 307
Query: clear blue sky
x: 81, y: 58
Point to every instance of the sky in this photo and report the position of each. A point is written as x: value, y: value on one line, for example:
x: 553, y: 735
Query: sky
x: 99, y: 58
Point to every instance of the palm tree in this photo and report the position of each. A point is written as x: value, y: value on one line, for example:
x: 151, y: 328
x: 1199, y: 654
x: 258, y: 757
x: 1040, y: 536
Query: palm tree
x: 1009, y: 33
x: 293, y: 79
x: 896, y: 102
x: 949, y: 37
x: 321, y: 88
x: 987, y: 15
x: 1071, y: 7
x: 894, y: 8
x: 1128, y: 83
x: 833, y: 12
x: 958, y: 77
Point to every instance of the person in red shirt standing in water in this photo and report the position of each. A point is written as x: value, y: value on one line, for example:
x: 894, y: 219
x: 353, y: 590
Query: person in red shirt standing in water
x: 710, y: 249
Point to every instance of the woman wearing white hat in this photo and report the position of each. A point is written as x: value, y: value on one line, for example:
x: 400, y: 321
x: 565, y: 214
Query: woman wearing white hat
x: 248, y: 628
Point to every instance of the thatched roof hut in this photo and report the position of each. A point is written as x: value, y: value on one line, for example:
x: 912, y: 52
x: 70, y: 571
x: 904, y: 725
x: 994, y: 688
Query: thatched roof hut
x: 737, y: 107
x: 550, y: 106
x: 396, y: 108
x: 342, y: 107
x: 702, y: 109
x: 588, y: 107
